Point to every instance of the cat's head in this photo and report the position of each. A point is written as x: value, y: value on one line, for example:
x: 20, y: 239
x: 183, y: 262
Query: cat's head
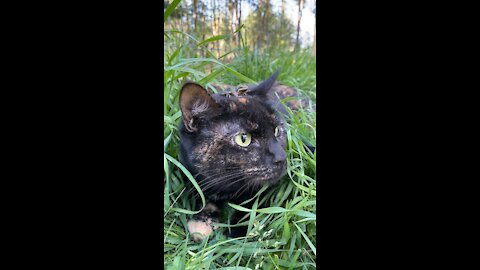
x: 233, y: 141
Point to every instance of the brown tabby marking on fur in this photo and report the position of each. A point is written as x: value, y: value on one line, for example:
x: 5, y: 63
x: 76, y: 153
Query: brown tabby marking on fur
x: 243, y: 100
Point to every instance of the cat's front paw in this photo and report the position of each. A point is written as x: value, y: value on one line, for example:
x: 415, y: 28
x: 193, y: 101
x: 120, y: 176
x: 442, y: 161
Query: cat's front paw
x: 201, y: 225
x: 199, y: 229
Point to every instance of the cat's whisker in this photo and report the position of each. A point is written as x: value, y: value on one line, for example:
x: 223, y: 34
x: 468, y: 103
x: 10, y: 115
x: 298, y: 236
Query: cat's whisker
x: 219, y: 175
x: 244, y: 188
x: 214, y: 184
x: 205, y: 185
x: 236, y: 181
x: 219, y: 172
x: 220, y: 181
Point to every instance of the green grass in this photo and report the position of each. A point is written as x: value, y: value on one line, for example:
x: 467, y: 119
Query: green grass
x: 281, y: 236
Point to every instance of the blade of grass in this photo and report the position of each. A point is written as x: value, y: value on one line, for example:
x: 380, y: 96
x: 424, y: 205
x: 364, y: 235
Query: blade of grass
x: 192, y: 180
x: 306, y: 239
x: 170, y: 9
x: 212, y: 39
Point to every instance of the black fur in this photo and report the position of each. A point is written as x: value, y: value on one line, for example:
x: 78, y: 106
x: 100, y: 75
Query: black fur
x: 225, y: 170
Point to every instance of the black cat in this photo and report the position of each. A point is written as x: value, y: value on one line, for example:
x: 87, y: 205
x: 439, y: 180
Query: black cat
x: 233, y: 142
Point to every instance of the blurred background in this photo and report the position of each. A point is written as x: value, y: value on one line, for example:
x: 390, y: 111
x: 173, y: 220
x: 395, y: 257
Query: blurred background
x: 262, y: 26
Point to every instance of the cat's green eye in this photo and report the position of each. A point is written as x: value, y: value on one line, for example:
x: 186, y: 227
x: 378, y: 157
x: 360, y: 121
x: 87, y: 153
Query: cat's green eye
x: 243, y: 139
x: 277, y: 132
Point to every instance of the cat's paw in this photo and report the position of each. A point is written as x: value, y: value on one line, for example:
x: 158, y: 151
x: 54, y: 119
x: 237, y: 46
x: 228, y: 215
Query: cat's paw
x: 201, y: 225
x: 199, y: 229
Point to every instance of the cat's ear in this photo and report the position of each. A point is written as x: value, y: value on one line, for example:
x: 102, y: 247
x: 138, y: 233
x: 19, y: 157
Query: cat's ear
x: 195, y: 103
x: 264, y: 87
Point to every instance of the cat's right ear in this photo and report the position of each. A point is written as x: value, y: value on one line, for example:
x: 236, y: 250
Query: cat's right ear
x: 195, y: 103
x: 264, y: 87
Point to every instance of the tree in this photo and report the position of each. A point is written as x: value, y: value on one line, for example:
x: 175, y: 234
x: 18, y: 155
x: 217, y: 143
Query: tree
x: 195, y: 13
x: 239, y: 12
x: 300, y: 8
x: 315, y: 32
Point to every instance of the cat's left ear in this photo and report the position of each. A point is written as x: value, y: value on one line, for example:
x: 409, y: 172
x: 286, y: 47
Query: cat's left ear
x: 195, y: 103
x: 264, y: 87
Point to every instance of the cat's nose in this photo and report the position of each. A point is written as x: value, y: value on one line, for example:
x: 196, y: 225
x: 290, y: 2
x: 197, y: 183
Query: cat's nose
x: 280, y: 157
x: 278, y: 153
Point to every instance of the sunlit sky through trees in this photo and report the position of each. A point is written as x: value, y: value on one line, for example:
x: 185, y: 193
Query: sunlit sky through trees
x: 307, y: 25
x: 203, y: 19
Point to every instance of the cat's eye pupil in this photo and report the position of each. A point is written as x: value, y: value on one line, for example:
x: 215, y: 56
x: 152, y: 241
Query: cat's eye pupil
x: 244, y: 137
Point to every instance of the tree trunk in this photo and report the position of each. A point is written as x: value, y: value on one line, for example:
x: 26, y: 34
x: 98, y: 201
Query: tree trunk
x: 315, y: 34
x: 213, y: 25
x: 267, y: 21
x: 239, y: 12
x: 227, y: 26
x: 204, y: 14
x: 187, y: 22
x: 195, y: 4
x: 231, y: 24
x: 297, y: 41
